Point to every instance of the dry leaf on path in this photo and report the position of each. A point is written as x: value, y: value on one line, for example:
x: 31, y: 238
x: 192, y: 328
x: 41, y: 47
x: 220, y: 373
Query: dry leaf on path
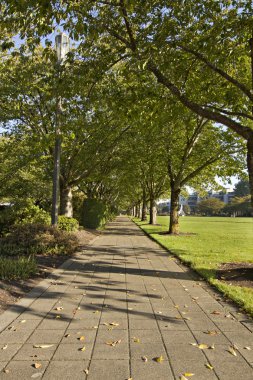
x: 67, y: 335
x: 6, y: 370
x: 144, y: 358
x: 159, y: 359
x: 86, y: 371
x: 203, y: 346
x: 216, y: 312
x: 81, y: 338
x: 209, y: 366
x: 59, y: 308
x: 209, y: 332
x: 42, y: 345
x: 247, y: 348
x: 23, y: 321
x: 136, y: 340
x: 113, y: 344
x: 188, y: 374
x: 231, y: 350
x: 82, y: 348
x: 5, y: 347
x: 36, y: 375
x: 37, y: 365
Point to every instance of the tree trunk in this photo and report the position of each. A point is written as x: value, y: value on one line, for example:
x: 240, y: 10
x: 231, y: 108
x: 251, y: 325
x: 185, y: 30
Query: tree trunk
x: 174, y: 208
x: 144, y: 210
x: 152, y: 211
x: 66, y: 205
x: 250, y: 167
x: 138, y: 207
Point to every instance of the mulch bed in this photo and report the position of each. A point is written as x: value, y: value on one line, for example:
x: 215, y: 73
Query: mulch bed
x: 238, y: 274
x: 12, y: 291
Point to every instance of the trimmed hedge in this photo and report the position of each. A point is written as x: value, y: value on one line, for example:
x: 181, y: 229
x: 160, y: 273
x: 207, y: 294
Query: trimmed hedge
x: 95, y: 213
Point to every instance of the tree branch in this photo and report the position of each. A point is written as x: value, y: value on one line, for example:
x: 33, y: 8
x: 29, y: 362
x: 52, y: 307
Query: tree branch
x: 241, y: 130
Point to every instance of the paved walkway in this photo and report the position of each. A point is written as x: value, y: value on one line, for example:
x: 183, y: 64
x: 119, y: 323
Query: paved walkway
x: 121, y: 303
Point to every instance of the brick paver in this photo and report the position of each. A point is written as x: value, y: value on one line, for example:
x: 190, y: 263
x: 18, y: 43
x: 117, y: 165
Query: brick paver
x: 121, y: 300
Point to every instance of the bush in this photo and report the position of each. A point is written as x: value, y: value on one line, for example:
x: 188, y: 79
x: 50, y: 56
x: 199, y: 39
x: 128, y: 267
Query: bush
x: 23, y: 212
x: 67, y: 224
x: 94, y: 213
x: 21, y: 268
x: 37, y: 239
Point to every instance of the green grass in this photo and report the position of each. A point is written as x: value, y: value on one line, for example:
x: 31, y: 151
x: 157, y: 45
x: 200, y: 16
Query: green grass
x: 211, y: 241
x: 16, y: 269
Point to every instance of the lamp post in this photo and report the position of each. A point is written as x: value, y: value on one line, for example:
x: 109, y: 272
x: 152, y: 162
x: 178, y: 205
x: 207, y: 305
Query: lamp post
x: 62, y: 48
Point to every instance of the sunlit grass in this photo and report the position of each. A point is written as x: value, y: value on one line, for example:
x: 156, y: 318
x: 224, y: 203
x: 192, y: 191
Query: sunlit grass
x: 209, y: 243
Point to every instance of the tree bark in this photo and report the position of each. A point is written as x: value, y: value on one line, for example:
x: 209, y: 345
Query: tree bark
x: 138, y: 212
x: 174, y: 208
x: 152, y: 211
x: 250, y: 167
x: 66, y: 205
x: 144, y: 210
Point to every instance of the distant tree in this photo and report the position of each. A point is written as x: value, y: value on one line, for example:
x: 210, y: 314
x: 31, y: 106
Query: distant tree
x: 240, y: 206
x: 165, y: 209
x: 187, y: 209
x: 242, y: 188
x: 210, y: 206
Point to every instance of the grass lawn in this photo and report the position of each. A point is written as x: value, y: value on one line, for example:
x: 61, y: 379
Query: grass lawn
x: 211, y: 241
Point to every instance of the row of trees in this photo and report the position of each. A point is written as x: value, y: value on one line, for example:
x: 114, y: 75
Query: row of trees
x: 156, y: 96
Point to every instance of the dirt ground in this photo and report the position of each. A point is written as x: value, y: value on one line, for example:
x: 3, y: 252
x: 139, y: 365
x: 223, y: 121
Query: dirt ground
x: 238, y: 274
x: 12, y: 291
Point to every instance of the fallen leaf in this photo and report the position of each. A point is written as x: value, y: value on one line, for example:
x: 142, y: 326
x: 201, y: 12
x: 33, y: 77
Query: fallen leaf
x: 36, y: 375
x: 6, y: 370
x: 193, y: 344
x: 159, y: 359
x: 95, y: 327
x: 209, y: 366
x: 211, y: 347
x: 59, y: 308
x: 42, y: 345
x: 188, y: 374
x: 211, y: 332
x: 5, y: 347
x: 67, y: 335
x: 86, y: 371
x: 144, y: 358
x: 195, y: 298
x: 113, y: 344
x: 203, y: 346
x: 57, y: 317
x: 23, y: 321
x: 136, y: 340
x: 231, y: 350
x: 216, y: 312
x: 81, y: 338
x: 82, y: 348
x: 37, y: 365
x: 247, y: 348
x: 113, y: 324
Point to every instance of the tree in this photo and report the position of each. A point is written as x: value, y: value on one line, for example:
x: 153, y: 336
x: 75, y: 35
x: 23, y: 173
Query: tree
x: 210, y: 206
x: 241, y: 189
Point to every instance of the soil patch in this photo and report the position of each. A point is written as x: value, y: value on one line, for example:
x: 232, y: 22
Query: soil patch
x: 238, y: 274
x: 12, y: 291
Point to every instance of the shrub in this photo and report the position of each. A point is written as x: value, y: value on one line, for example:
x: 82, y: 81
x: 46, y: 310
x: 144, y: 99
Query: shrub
x: 94, y: 213
x: 14, y: 269
x: 23, y: 212
x: 67, y: 224
x: 37, y: 239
